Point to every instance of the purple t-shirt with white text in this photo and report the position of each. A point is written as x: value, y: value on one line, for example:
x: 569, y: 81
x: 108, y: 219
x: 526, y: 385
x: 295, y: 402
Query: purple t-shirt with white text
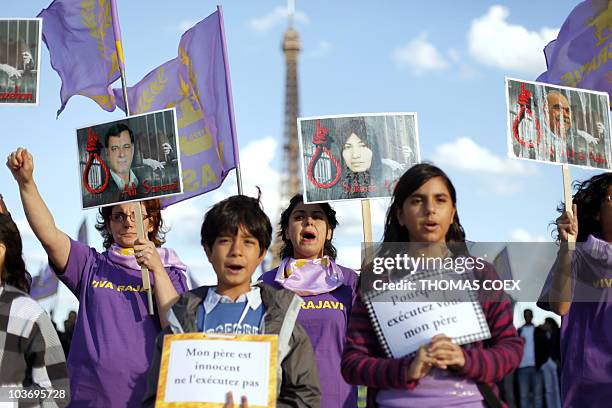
x: 114, y: 337
x: 325, y: 319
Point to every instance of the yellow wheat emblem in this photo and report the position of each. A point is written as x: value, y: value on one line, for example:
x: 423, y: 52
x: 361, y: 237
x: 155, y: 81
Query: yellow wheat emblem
x: 98, y: 25
x: 145, y: 101
x: 602, y: 23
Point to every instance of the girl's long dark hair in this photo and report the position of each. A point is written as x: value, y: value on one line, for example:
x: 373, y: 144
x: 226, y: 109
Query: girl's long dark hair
x: 287, y: 248
x: 14, y: 271
x: 590, y: 194
x: 367, y: 135
x: 410, y: 182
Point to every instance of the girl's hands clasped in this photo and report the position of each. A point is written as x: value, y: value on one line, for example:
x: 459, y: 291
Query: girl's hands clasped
x: 445, y: 353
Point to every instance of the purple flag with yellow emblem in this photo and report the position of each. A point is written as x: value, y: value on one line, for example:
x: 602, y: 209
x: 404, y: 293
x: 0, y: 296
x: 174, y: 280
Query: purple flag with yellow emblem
x: 581, y: 56
x: 197, y: 84
x: 81, y: 41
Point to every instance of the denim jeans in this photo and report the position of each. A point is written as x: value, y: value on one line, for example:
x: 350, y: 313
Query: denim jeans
x: 551, y: 384
x: 530, y: 380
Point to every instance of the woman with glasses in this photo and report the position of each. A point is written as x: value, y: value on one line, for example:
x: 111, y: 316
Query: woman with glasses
x: 114, y: 334
x: 578, y: 289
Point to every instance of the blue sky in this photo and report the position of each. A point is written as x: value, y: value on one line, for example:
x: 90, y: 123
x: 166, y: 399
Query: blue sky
x: 444, y: 60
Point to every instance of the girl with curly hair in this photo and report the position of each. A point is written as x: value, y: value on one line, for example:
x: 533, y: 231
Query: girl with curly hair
x: 578, y: 290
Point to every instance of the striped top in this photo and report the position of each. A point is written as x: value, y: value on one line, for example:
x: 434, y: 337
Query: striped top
x: 365, y: 363
x: 31, y: 355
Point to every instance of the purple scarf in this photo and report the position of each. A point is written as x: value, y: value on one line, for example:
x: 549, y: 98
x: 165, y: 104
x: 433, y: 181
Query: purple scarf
x: 125, y: 257
x: 308, y: 277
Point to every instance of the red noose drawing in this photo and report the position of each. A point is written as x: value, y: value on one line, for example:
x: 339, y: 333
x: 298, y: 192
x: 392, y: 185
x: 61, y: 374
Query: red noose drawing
x: 93, y: 148
x: 524, y: 101
x: 319, y: 139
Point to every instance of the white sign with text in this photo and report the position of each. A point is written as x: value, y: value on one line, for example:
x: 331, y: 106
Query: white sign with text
x: 205, y: 369
x: 404, y: 326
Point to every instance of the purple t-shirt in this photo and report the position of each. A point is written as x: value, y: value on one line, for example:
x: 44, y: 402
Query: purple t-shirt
x: 586, y: 330
x: 325, y: 319
x: 114, y: 337
x: 439, y: 388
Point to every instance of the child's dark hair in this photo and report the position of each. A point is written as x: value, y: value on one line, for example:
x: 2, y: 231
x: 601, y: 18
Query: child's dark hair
x: 153, y: 207
x: 14, y: 272
x: 410, y: 182
x: 227, y: 216
x: 590, y: 194
x: 287, y: 249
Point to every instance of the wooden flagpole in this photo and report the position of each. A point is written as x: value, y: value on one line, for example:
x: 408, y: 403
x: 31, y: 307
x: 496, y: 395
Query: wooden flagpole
x: 146, y: 282
x: 567, y: 197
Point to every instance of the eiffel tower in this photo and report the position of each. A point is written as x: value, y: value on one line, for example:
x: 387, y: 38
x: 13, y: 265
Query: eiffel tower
x: 290, y: 180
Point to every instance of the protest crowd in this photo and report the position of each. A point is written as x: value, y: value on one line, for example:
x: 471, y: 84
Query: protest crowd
x: 307, y: 332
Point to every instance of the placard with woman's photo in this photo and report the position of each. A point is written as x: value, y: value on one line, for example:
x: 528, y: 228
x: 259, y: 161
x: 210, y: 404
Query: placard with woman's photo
x: 356, y: 156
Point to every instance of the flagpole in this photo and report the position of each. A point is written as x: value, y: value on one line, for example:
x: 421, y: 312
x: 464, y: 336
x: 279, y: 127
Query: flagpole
x: 120, y: 60
x: 146, y: 282
x: 230, y: 103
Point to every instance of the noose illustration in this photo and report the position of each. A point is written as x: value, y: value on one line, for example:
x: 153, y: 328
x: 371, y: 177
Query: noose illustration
x: 93, y: 148
x: 320, y: 140
x: 524, y: 101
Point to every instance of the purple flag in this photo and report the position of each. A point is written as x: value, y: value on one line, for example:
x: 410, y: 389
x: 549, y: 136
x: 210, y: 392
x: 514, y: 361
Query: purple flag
x: 44, y: 284
x: 579, y: 56
x: 197, y: 84
x: 79, y: 36
x: 502, y: 264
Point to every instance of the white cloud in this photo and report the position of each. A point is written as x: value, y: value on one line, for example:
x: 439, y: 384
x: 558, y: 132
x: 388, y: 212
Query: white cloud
x: 324, y: 49
x: 465, y: 154
x: 494, y: 42
x: 275, y: 17
x: 185, y: 219
x: 350, y: 256
x: 419, y: 56
x: 503, y: 189
x: 522, y: 235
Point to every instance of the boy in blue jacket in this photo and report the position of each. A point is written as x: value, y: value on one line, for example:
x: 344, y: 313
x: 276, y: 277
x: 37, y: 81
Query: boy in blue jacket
x: 235, y: 235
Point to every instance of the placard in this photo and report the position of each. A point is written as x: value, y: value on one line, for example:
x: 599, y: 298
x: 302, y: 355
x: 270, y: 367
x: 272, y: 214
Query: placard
x: 356, y: 156
x: 405, y: 320
x: 131, y: 159
x: 561, y: 125
x: 198, y: 370
x: 20, y: 41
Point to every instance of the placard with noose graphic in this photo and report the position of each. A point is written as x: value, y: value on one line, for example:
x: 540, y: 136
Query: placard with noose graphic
x: 356, y: 156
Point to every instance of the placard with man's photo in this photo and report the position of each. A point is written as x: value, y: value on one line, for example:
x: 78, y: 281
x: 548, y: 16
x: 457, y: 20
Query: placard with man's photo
x: 557, y: 124
x: 20, y: 41
x: 356, y: 156
x: 135, y: 158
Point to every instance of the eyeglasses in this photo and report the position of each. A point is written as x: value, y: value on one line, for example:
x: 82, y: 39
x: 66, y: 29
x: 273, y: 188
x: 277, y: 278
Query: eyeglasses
x: 120, y: 217
x: 608, y: 198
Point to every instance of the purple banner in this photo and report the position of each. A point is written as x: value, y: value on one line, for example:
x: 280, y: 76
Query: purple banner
x: 579, y: 57
x: 81, y: 43
x: 196, y: 83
